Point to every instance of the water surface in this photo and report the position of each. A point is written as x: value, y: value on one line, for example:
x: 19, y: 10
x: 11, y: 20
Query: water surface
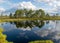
x: 26, y: 31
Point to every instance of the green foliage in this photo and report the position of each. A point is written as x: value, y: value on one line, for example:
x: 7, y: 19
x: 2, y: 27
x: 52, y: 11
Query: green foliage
x: 42, y: 41
x: 32, y: 14
x: 3, y: 37
x: 19, y: 13
x: 47, y: 15
x: 42, y: 13
x: 29, y: 13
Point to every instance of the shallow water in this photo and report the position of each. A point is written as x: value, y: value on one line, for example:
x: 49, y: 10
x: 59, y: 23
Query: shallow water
x: 26, y: 31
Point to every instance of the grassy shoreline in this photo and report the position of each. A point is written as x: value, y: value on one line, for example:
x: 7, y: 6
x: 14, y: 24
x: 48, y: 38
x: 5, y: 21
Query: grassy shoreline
x: 22, y: 19
x: 42, y: 41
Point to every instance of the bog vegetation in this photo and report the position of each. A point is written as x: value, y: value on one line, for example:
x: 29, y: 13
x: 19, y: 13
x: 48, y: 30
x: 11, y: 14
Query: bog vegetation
x: 3, y: 37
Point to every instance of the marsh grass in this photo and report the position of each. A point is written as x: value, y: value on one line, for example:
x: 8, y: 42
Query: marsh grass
x: 42, y: 41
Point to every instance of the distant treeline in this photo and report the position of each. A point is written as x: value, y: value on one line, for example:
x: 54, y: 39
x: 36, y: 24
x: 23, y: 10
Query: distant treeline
x: 29, y: 13
x: 25, y: 13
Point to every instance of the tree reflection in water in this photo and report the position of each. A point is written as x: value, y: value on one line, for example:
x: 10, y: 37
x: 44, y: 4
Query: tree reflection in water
x: 28, y: 23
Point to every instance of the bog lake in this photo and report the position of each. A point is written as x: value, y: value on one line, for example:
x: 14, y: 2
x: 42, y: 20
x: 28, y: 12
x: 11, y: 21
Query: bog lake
x: 30, y: 30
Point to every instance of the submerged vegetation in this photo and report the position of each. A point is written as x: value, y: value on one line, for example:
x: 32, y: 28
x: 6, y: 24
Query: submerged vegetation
x: 3, y: 37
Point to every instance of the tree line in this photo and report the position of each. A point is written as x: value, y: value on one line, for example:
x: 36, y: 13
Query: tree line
x: 29, y: 13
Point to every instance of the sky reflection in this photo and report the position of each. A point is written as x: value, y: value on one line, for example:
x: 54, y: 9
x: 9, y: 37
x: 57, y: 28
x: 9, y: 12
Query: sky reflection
x: 50, y: 30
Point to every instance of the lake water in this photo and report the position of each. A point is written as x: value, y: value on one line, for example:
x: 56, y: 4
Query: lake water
x: 26, y: 31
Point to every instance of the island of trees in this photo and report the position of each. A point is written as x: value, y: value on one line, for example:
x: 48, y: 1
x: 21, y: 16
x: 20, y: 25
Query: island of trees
x: 33, y: 14
x: 26, y: 14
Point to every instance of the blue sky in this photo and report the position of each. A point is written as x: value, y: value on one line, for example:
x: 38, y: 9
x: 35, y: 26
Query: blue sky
x: 47, y: 5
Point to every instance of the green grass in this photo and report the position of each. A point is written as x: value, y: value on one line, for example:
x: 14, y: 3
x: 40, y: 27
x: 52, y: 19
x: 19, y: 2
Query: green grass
x: 24, y: 18
x: 42, y: 41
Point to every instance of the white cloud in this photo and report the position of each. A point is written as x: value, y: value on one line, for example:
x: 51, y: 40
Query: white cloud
x: 58, y: 3
x: 51, y: 3
x: 22, y: 5
x: 2, y: 1
x: 5, y: 2
x: 51, y: 30
x: 46, y: 0
x: 2, y: 9
x: 27, y: 5
x: 42, y: 0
